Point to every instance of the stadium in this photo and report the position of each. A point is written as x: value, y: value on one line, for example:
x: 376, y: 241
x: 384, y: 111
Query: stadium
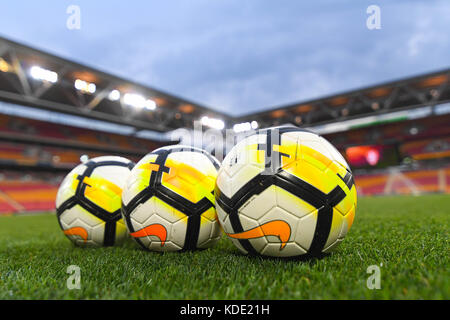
x: 54, y: 111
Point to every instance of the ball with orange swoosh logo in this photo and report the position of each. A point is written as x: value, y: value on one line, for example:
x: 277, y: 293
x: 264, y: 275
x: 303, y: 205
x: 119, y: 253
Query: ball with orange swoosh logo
x: 285, y: 192
x: 168, y: 201
x: 88, y: 202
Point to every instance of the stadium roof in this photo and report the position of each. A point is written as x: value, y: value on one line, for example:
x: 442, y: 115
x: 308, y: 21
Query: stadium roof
x: 424, y: 90
x: 35, y: 78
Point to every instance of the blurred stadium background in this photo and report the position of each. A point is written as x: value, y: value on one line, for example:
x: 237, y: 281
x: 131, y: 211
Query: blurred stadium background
x: 396, y: 135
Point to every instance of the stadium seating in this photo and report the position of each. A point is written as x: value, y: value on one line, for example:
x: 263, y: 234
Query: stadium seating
x: 404, y: 182
x: 424, y: 140
x: 32, y: 128
x: 13, y: 153
x: 27, y: 193
x: 427, y: 148
x: 26, y: 154
x: 58, y: 147
x: 412, y: 130
x: 5, y: 206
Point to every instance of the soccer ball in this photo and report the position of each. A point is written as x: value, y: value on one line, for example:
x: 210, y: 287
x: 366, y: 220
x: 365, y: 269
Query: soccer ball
x: 168, y: 202
x: 88, y: 202
x: 285, y: 192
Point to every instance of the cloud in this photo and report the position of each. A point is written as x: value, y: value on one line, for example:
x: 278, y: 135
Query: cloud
x: 244, y: 57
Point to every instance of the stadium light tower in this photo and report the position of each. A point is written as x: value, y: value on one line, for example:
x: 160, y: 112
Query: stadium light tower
x: 4, y: 66
x: 245, y: 126
x: 84, y: 86
x: 42, y: 74
x: 150, y: 105
x: 114, y: 95
x: 138, y: 101
x: 213, y: 123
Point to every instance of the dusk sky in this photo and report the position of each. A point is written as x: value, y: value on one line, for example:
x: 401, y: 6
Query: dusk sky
x: 241, y: 56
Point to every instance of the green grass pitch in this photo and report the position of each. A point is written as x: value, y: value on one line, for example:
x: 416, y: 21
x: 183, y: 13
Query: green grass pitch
x: 407, y: 235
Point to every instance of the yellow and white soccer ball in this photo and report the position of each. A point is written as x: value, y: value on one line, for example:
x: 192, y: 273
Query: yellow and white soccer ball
x: 88, y: 202
x: 285, y: 192
x: 168, y: 201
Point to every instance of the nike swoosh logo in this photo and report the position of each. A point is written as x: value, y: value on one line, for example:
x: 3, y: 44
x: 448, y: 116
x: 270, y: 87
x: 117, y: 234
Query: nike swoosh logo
x: 77, y: 231
x: 278, y: 228
x: 156, y: 229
